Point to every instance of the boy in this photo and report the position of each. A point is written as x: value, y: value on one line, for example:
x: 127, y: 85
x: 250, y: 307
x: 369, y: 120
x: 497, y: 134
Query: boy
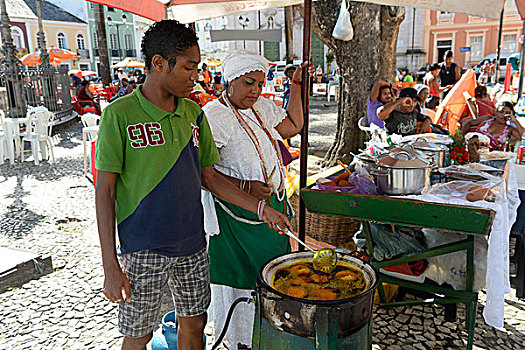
x: 154, y: 151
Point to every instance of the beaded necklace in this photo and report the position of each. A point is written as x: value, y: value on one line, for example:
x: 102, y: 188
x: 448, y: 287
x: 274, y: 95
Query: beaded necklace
x: 251, y: 134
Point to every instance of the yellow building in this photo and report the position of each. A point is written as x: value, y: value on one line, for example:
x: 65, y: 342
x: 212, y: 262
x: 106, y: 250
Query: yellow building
x: 62, y: 29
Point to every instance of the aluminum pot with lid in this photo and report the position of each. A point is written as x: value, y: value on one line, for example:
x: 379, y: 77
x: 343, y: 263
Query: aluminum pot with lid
x: 402, y: 173
x: 437, y: 152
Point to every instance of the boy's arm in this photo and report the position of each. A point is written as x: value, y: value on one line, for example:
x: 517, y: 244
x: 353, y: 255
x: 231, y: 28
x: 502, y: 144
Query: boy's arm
x: 116, y: 284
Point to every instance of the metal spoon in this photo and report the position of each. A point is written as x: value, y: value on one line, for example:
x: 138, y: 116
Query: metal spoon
x: 325, y: 259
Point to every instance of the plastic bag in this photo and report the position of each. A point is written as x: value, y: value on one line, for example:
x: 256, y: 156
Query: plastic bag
x: 391, y: 240
x: 471, y: 172
x: 488, y: 190
x: 452, y: 268
x: 356, y: 184
x: 343, y: 29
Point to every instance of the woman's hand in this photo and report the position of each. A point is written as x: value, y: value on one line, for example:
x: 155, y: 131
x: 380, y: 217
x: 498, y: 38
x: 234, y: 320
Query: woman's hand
x: 298, y: 74
x: 277, y: 221
x: 513, y: 119
x: 259, y: 190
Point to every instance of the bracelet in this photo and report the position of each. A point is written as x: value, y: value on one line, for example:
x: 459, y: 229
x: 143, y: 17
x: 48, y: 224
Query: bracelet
x: 296, y: 82
x: 260, y: 209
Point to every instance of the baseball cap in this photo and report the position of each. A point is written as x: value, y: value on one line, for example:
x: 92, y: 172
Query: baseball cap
x: 408, y: 92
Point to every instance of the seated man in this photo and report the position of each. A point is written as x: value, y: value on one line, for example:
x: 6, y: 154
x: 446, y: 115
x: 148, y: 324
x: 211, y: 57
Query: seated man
x: 401, y: 116
x: 75, y: 83
x: 131, y: 86
x: 124, y: 89
x: 86, y: 97
x: 380, y: 95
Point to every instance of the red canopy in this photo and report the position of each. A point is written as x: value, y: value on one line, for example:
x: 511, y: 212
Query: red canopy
x: 520, y: 4
x: 150, y: 9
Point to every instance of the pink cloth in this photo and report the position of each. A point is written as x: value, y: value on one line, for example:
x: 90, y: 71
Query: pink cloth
x: 497, y: 142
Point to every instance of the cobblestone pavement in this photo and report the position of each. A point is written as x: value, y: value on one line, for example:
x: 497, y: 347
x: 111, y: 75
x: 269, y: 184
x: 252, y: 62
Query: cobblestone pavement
x: 49, y: 210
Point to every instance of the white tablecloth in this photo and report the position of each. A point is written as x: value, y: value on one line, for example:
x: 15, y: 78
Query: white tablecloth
x: 497, y: 275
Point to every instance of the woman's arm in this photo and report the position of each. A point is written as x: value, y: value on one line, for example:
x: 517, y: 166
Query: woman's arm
x: 439, y: 88
x: 257, y: 189
x: 471, y: 122
x: 89, y: 93
x: 518, y: 130
x: 293, y: 123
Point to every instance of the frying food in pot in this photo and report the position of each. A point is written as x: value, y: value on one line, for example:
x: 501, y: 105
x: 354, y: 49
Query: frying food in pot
x: 299, y: 280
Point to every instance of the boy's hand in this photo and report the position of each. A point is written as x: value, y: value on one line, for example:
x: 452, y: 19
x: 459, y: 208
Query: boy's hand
x: 116, y: 286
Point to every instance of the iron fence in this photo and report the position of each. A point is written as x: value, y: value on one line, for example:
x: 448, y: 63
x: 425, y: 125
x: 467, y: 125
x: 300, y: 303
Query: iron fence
x: 35, y: 87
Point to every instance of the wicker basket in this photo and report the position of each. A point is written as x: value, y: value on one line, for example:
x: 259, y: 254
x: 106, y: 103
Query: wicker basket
x: 332, y: 229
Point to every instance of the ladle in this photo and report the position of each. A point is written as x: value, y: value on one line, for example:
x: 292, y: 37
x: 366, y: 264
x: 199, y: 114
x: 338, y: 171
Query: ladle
x: 325, y: 259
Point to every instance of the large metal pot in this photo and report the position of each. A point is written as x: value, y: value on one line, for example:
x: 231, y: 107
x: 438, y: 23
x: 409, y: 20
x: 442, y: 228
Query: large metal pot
x: 301, y: 316
x: 437, y: 152
x: 402, y: 174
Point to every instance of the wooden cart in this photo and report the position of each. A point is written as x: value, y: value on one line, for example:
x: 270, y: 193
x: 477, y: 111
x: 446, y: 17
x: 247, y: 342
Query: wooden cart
x: 468, y: 220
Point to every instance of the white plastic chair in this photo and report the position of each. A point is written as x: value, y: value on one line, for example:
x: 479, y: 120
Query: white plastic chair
x: 363, y: 125
x: 90, y: 121
x: 89, y: 132
x: 39, y: 130
x: 7, y: 146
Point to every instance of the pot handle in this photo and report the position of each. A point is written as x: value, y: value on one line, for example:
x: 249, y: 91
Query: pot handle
x: 407, y: 154
x: 374, y: 172
x: 258, y: 290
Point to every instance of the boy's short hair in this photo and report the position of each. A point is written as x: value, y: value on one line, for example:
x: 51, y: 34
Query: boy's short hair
x: 168, y: 38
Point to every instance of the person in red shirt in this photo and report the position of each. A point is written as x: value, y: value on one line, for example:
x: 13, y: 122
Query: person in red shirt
x: 484, y: 105
x: 206, y: 75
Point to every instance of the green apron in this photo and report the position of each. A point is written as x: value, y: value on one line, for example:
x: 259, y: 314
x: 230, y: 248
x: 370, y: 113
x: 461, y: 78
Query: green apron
x: 241, y: 249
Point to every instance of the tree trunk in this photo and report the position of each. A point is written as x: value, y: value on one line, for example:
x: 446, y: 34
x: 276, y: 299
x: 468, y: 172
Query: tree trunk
x: 288, y: 32
x: 102, y: 45
x: 369, y: 56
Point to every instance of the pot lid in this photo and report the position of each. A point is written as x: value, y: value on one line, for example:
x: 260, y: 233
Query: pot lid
x: 403, y: 159
x: 424, y: 145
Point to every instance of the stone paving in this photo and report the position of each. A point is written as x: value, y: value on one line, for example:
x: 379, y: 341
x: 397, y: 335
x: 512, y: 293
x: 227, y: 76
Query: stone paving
x: 49, y: 210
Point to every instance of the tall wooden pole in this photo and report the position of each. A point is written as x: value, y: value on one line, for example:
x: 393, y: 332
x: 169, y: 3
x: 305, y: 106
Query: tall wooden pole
x: 522, y: 63
x: 307, y: 38
x: 500, y: 33
x: 288, y: 33
x: 100, y: 23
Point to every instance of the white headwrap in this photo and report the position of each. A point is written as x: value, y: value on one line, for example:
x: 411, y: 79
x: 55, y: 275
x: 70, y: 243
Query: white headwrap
x: 420, y: 87
x: 241, y: 62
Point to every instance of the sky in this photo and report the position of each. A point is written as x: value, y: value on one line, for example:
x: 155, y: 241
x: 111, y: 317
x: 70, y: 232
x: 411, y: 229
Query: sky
x: 76, y: 7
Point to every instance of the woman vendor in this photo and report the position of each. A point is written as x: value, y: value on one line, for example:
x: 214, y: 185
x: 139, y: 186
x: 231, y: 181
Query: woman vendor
x: 497, y: 127
x: 431, y: 80
x: 248, y: 131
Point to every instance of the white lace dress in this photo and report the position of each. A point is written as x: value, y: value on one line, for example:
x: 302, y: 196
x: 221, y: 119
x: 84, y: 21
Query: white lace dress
x: 239, y: 159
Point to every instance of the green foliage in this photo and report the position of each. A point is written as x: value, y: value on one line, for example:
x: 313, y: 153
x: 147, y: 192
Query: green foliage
x: 330, y: 57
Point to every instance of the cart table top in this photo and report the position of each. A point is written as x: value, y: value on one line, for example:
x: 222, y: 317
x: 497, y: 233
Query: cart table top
x: 408, y: 212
